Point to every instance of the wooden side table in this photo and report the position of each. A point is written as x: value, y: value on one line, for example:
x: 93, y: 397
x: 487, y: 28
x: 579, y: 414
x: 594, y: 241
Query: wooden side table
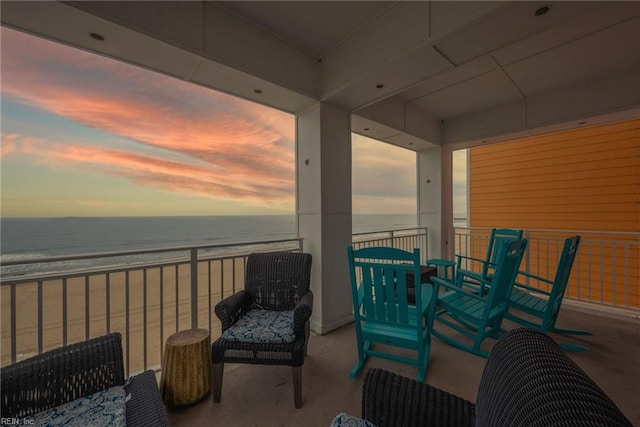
x: 186, y: 367
x: 426, y: 273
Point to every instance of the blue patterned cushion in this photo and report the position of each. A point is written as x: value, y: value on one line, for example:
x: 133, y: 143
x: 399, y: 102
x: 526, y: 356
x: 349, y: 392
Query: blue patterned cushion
x: 265, y: 326
x: 101, y: 409
x: 346, y: 420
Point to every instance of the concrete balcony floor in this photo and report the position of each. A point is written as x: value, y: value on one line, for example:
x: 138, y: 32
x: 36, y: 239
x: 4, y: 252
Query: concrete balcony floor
x: 263, y: 395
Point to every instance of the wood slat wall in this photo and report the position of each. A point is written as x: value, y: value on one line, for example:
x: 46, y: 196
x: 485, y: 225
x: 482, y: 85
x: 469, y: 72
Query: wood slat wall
x: 585, y: 179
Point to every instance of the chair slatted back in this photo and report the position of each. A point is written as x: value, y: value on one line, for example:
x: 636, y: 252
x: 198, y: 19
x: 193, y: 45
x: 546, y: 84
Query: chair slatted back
x: 379, y: 280
x: 563, y: 272
x: 500, y: 237
x: 508, y: 260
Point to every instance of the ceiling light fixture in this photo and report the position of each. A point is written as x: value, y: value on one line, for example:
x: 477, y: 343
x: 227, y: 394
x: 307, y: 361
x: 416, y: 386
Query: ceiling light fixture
x: 379, y: 86
x: 541, y: 11
x: 366, y: 129
x: 258, y: 91
x: 97, y: 36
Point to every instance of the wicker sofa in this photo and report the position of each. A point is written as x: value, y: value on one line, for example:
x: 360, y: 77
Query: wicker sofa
x: 65, y: 374
x: 528, y: 381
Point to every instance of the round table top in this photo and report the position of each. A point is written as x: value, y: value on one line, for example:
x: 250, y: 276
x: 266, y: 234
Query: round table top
x: 187, y: 337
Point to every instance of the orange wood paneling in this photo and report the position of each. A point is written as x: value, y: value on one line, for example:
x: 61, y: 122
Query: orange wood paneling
x: 585, y: 180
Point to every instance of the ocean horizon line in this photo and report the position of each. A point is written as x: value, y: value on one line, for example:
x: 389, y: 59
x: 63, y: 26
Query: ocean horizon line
x: 190, y: 216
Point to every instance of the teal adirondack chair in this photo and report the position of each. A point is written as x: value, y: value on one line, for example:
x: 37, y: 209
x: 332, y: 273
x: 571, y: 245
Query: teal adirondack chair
x: 537, y: 308
x: 381, y: 309
x: 475, y: 315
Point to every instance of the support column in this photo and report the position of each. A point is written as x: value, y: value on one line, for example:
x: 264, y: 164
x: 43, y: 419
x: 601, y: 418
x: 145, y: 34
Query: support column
x: 435, y: 199
x: 323, y: 200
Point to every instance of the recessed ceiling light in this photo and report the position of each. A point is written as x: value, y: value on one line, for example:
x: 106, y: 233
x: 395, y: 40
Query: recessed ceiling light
x: 541, y: 11
x: 379, y: 86
x: 582, y: 123
x: 97, y: 36
x: 366, y: 129
x: 258, y: 91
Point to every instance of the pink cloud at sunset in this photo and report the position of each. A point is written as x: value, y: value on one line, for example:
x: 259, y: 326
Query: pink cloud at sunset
x: 148, y: 170
x: 190, y: 139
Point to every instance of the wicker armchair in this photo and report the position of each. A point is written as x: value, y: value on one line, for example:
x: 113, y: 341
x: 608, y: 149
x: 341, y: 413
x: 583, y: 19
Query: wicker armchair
x: 276, y: 282
x: 68, y: 373
x: 527, y: 381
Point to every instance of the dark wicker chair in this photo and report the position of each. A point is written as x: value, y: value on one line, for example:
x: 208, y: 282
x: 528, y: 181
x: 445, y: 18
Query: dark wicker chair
x: 277, y: 281
x: 67, y: 373
x: 528, y: 382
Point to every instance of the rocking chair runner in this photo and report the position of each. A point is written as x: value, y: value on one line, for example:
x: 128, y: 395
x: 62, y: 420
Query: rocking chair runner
x: 537, y: 308
x: 382, y: 311
x: 473, y: 314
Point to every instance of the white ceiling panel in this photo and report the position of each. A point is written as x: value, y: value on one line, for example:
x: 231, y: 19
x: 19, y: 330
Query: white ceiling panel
x: 616, y: 48
x: 315, y: 27
x: 604, y: 16
x: 505, y: 25
x: 451, y: 77
x: 483, y: 91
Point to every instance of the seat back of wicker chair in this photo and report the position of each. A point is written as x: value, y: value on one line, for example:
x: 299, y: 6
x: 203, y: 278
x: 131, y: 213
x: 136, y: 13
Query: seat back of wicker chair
x: 391, y: 400
x: 61, y: 375
x: 529, y: 381
x: 277, y: 280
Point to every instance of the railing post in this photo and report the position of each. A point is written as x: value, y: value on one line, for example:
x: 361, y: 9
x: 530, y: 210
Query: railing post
x: 194, y: 288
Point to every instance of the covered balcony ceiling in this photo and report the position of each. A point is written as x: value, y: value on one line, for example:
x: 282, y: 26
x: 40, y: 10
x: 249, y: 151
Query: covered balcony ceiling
x: 415, y: 74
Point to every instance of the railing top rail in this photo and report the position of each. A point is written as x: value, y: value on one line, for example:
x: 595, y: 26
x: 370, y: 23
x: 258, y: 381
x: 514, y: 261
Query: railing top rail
x: 535, y: 230
x: 394, y: 230
x: 143, y: 251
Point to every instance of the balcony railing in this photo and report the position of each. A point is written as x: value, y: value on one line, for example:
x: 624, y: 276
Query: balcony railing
x: 605, y: 272
x: 148, y: 295
x: 406, y: 239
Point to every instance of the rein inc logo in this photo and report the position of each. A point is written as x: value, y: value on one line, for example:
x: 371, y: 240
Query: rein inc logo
x: 17, y: 421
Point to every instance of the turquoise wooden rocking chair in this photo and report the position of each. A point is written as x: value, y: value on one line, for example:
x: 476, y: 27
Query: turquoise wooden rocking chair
x: 498, y: 238
x: 473, y: 314
x: 381, y: 309
x: 469, y: 265
x: 537, y: 308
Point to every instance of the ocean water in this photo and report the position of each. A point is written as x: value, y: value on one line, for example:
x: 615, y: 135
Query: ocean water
x: 33, y: 238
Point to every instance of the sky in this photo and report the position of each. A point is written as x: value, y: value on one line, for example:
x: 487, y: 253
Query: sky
x: 83, y: 135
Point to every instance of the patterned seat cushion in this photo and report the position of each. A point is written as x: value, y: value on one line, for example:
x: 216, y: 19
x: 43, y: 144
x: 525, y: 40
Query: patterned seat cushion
x: 346, y: 420
x: 264, y: 326
x: 105, y: 408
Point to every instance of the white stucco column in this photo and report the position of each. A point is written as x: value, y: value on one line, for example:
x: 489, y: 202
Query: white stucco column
x: 323, y: 199
x: 435, y: 199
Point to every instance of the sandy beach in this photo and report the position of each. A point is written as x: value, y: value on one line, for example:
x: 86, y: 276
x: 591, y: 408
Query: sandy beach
x: 164, y: 308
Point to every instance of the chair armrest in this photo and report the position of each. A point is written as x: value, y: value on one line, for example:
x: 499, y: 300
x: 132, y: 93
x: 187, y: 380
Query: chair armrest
x: 389, y: 399
x: 476, y: 280
x: 302, y: 312
x: 144, y: 403
x: 533, y: 276
x: 439, y: 282
x: 230, y: 309
x: 461, y: 257
x: 530, y: 288
x: 427, y: 290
